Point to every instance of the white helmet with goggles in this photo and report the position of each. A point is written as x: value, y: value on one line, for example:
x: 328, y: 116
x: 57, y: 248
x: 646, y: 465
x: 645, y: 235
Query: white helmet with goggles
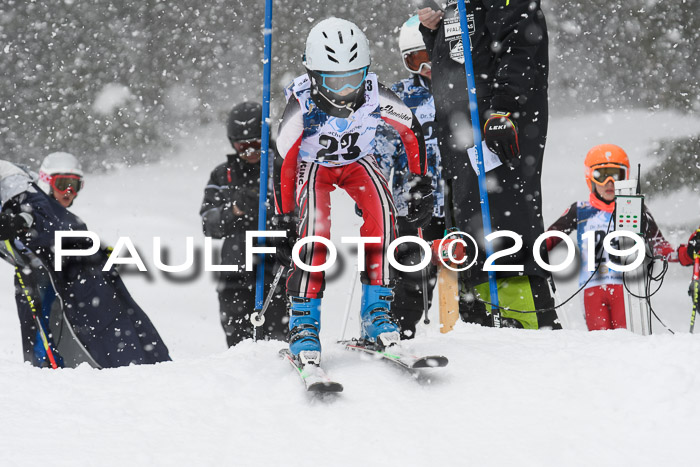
x: 415, y: 56
x: 337, y: 59
x: 60, y: 171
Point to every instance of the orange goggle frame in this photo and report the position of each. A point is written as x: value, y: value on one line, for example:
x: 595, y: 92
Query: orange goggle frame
x: 601, y: 174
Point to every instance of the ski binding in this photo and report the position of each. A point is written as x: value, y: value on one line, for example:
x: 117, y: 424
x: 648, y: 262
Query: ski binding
x: 396, y: 355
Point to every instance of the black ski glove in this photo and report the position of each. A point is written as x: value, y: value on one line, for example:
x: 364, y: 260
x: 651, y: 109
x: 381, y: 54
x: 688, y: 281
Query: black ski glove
x: 420, y: 201
x: 245, y: 198
x: 694, y: 244
x: 212, y: 225
x: 358, y: 211
x: 288, y: 223
x: 501, y: 136
x: 14, y: 225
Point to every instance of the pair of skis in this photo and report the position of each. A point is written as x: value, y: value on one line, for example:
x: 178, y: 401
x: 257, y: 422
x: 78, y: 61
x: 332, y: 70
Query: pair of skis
x: 316, y: 380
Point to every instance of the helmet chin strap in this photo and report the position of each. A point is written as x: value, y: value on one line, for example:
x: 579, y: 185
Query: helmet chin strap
x: 348, y: 106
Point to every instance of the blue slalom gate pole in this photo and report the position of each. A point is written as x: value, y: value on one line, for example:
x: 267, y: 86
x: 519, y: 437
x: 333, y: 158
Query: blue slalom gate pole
x: 264, y: 151
x: 476, y: 128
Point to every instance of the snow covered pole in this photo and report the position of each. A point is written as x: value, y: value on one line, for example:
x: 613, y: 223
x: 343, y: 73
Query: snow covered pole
x: 476, y: 128
x: 264, y: 151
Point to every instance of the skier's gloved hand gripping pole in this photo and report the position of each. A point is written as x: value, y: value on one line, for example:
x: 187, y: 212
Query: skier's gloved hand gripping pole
x: 264, y: 155
x: 695, y: 285
x: 484, y: 197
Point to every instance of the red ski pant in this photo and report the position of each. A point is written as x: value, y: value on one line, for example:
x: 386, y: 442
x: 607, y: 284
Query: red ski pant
x: 605, y: 307
x: 366, y: 185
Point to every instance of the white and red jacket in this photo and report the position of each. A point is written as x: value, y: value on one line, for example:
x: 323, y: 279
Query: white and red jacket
x: 595, y: 215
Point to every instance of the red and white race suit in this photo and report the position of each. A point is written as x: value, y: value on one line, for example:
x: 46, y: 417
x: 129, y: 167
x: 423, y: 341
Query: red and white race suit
x: 321, y: 152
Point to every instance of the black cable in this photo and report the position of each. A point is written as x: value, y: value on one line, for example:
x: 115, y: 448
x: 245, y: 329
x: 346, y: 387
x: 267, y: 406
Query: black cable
x: 648, y: 279
x: 595, y: 271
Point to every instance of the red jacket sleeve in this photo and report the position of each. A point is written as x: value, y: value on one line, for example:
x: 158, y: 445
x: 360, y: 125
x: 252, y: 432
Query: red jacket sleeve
x: 289, y: 137
x: 659, y: 245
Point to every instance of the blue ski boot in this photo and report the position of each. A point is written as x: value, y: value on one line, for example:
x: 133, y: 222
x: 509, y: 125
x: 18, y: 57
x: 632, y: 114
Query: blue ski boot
x: 304, y: 326
x: 377, y: 323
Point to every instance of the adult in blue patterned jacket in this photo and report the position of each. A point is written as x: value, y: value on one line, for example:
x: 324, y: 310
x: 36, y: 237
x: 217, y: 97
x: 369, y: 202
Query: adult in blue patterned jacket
x: 415, y: 92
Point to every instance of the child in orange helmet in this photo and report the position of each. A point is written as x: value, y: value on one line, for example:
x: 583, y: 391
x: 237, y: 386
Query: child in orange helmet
x: 603, y: 295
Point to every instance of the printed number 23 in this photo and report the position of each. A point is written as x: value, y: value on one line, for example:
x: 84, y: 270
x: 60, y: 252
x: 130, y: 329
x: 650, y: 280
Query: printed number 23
x: 331, y: 145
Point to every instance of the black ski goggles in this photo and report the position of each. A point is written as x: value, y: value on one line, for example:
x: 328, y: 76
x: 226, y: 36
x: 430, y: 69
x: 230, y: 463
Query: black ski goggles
x: 64, y: 183
x: 603, y: 174
x: 243, y: 147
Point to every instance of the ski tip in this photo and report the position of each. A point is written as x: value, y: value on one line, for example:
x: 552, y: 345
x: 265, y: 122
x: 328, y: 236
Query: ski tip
x: 326, y: 387
x: 433, y: 361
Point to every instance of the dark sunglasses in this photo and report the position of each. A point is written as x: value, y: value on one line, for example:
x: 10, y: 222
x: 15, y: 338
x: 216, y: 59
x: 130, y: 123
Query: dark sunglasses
x: 249, y: 145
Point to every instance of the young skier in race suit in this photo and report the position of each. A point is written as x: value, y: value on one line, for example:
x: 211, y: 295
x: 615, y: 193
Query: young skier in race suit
x: 229, y: 209
x: 416, y: 94
x: 106, y: 320
x: 326, y: 138
x: 603, y: 295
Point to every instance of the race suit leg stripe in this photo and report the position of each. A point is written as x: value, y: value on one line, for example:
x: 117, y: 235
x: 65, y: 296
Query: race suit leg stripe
x: 315, y: 183
x: 371, y: 192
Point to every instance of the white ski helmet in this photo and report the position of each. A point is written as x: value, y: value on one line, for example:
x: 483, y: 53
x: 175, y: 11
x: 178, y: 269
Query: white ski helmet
x: 58, y: 163
x: 410, y: 37
x: 337, y: 59
x: 338, y: 45
x: 411, y: 40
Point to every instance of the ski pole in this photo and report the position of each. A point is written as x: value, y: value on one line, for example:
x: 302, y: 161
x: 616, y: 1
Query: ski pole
x: 481, y: 174
x: 424, y: 274
x: 695, y: 289
x: 259, y: 318
x: 35, y: 315
x: 349, y: 303
x: 264, y: 151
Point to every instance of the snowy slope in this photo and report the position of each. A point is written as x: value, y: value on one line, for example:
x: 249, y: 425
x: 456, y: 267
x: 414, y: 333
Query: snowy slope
x: 507, y: 398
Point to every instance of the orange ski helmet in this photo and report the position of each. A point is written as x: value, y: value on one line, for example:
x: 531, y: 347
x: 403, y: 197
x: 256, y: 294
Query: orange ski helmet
x: 608, y: 158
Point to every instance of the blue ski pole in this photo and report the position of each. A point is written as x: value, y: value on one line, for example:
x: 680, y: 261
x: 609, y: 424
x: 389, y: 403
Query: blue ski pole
x: 476, y: 128
x: 264, y: 151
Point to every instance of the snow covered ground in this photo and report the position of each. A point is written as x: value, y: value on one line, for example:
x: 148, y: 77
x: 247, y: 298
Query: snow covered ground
x: 507, y: 397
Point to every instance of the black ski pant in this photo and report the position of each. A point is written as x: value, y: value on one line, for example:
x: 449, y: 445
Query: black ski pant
x: 237, y: 303
x: 407, y: 307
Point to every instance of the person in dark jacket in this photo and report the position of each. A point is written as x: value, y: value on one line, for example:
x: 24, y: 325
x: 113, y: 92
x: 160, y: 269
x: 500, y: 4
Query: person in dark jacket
x: 110, y: 326
x: 510, y: 57
x: 229, y: 209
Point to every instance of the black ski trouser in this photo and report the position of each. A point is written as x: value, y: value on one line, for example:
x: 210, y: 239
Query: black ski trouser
x: 407, y: 307
x: 237, y: 303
